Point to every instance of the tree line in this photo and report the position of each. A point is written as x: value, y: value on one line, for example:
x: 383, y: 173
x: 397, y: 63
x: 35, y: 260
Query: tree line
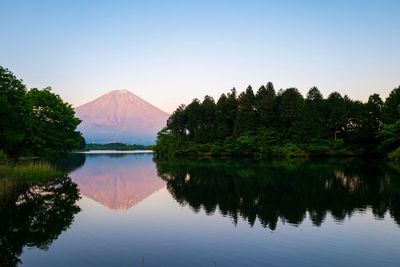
x: 283, y: 123
x: 35, y: 122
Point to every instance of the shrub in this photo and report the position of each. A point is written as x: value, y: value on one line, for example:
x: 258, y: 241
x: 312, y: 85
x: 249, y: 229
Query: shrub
x: 395, y: 155
x: 3, y: 157
x: 288, y: 151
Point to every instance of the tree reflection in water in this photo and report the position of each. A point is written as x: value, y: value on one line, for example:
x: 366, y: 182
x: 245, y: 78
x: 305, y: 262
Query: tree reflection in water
x: 34, y: 215
x: 284, y: 190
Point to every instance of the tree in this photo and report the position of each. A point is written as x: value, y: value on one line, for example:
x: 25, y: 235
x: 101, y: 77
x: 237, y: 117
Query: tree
x: 372, y: 121
x: 222, y: 126
x: 265, y: 99
x: 314, y: 115
x: 290, y: 105
x: 82, y: 142
x: 226, y: 113
x: 35, y: 122
x: 375, y: 107
x: 53, y: 129
x: 282, y: 124
x: 355, y: 115
x: 392, y: 106
x: 177, y: 122
x: 390, y: 136
x: 206, y: 131
x: 14, y: 114
x: 246, y: 120
x: 193, y: 114
x: 336, y: 114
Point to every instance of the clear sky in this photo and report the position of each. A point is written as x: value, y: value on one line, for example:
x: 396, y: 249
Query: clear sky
x: 169, y: 52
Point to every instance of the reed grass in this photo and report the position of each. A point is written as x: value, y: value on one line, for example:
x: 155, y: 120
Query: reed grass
x: 28, y: 172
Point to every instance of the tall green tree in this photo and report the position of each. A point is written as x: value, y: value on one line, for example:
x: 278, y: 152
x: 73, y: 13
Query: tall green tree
x: 390, y: 137
x: 246, y: 120
x: 14, y: 114
x: 336, y: 115
x: 177, y: 122
x: 223, y: 130
x: 373, y: 120
x: 314, y: 115
x: 53, y: 129
x: 265, y: 101
x: 193, y: 113
x: 392, y: 106
x: 290, y: 106
x: 207, y: 127
x: 226, y: 112
x: 355, y: 114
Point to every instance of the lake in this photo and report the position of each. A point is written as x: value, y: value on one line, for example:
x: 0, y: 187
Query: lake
x: 132, y: 210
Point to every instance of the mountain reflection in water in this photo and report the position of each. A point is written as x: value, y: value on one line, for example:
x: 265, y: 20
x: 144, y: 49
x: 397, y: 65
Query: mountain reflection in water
x: 284, y: 190
x: 117, y: 181
x: 188, y: 221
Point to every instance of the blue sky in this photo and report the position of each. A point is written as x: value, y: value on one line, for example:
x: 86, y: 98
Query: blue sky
x: 169, y: 52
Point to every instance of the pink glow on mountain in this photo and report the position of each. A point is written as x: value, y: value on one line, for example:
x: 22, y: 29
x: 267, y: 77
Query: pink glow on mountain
x: 120, y: 116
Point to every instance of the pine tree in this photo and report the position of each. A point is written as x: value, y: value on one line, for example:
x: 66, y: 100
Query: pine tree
x: 246, y: 120
x: 265, y: 100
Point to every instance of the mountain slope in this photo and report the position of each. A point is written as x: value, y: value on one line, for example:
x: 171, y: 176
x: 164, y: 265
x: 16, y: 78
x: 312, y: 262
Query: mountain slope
x: 120, y: 116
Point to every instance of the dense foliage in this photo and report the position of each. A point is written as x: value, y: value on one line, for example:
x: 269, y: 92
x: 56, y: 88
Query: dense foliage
x: 34, y: 122
x: 283, y: 123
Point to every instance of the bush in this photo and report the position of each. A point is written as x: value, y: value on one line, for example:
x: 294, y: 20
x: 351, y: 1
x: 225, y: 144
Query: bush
x: 288, y: 151
x: 395, y: 155
x: 3, y: 157
x: 318, y: 149
x: 217, y: 149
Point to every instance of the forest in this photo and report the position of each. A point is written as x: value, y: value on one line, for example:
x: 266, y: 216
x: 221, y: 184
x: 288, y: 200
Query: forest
x: 267, y: 123
x: 35, y: 122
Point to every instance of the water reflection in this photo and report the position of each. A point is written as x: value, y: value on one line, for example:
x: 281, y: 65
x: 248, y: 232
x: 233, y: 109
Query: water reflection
x: 70, y: 162
x: 34, y: 215
x: 284, y: 190
x: 117, y: 181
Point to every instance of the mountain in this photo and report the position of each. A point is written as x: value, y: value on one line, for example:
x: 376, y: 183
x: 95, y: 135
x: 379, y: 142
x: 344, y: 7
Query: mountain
x: 120, y: 116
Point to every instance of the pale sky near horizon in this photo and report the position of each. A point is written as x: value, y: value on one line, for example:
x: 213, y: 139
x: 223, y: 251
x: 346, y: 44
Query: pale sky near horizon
x: 169, y: 52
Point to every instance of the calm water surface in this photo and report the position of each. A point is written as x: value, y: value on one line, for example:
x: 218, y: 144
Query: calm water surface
x: 130, y: 210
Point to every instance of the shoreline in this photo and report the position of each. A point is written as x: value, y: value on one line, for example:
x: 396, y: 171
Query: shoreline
x: 114, y: 152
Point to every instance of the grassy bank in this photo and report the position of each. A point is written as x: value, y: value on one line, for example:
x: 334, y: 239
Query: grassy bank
x: 29, y: 172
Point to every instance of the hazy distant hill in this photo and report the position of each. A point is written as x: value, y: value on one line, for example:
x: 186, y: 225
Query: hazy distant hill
x: 120, y: 116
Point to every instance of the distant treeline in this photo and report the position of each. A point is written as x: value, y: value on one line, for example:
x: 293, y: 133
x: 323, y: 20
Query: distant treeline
x: 116, y: 146
x: 34, y: 122
x: 283, y: 123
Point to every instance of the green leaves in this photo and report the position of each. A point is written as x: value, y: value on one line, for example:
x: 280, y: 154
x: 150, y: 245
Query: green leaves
x: 35, y: 122
x: 392, y: 103
x: 14, y: 111
x: 284, y: 124
x: 53, y: 124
